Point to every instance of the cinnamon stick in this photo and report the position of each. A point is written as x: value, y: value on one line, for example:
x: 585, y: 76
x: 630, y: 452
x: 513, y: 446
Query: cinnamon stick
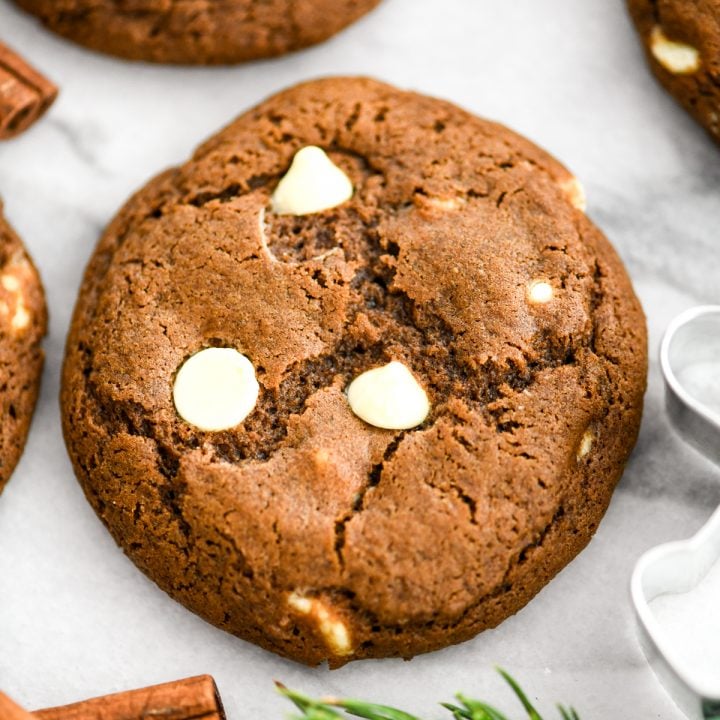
x: 194, y: 698
x: 25, y: 94
x: 10, y: 711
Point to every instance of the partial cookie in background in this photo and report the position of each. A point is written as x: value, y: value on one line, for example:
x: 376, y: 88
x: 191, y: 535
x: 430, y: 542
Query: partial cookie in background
x: 23, y: 322
x: 682, y: 44
x: 196, y: 31
x: 359, y: 378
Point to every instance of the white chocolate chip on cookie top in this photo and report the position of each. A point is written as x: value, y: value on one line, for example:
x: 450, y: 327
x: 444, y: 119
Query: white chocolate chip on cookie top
x: 312, y: 184
x: 333, y: 630
x: 677, y: 57
x: 586, y: 443
x: 14, y: 281
x: 389, y: 397
x: 575, y: 193
x: 216, y: 389
x: 540, y: 292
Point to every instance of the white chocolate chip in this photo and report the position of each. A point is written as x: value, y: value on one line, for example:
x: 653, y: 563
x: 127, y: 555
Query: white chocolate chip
x: 540, y: 292
x: 336, y: 635
x: 446, y: 204
x: 389, y: 397
x: 21, y: 318
x: 575, y: 192
x: 334, y: 631
x: 10, y: 283
x: 263, y: 237
x: 586, y: 444
x: 677, y: 57
x: 321, y: 457
x: 300, y: 603
x: 312, y: 184
x: 17, y: 272
x: 216, y: 389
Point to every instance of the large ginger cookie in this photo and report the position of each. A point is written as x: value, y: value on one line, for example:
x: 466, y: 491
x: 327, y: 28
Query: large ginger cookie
x: 682, y: 44
x: 23, y: 322
x: 197, y: 31
x: 237, y: 353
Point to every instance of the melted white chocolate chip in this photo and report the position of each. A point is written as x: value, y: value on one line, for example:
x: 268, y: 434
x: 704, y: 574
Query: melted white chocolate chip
x: 21, y: 318
x: 677, y: 57
x: 586, y: 444
x: 389, y: 397
x: 333, y: 630
x: 16, y: 273
x: 321, y: 458
x: 312, y: 184
x: 215, y: 389
x: 540, y: 292
x: 575, y: 193
x: 10, y: 283
x: 300, y: 603
x: 446, y: 204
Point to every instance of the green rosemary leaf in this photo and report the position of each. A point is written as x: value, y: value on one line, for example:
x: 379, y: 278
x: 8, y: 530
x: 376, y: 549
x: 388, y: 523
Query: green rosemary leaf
x: 468, y: 709
x: 319, y: 712
x: 533, y: 714
x: 310, y: 709
x: 457, y: 710
x: 460, y: 713
x: 373, y: 712
x: 568, y: 713
x: 479, y: 710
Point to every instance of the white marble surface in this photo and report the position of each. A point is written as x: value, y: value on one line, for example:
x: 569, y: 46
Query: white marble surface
x: 77, y: 619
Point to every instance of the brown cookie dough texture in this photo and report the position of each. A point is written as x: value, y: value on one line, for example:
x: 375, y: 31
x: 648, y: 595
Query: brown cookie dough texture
x: 462, y: 254
x: 682, y: 43
x: 23, y: 322
x: 202, y: 32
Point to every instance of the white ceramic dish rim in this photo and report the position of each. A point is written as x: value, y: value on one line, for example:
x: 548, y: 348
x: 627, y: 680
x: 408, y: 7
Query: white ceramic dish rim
x: 703, y: 549
x: 671, y: 380
x: 690, y: 559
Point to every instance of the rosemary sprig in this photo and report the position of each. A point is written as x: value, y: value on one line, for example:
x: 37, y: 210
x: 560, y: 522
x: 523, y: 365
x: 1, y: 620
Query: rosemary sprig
x: 467, y: 709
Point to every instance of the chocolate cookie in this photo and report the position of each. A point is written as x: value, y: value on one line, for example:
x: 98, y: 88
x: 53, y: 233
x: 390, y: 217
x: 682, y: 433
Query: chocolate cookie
x: 197, y: 31
x: 23, y: 321
x: 359, y: 378
x: 682, y: 43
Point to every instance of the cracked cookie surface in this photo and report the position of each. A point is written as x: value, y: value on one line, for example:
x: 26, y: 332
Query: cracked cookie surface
x: 23, y: 322
x: 682, y: 43
x: 202, y: 32
x: 304, y: 529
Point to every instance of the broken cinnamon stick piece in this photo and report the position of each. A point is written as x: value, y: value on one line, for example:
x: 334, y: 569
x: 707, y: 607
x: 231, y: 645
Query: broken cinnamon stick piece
x: 10, y: 711
x: 194, y: 698
x: 25, y: 94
